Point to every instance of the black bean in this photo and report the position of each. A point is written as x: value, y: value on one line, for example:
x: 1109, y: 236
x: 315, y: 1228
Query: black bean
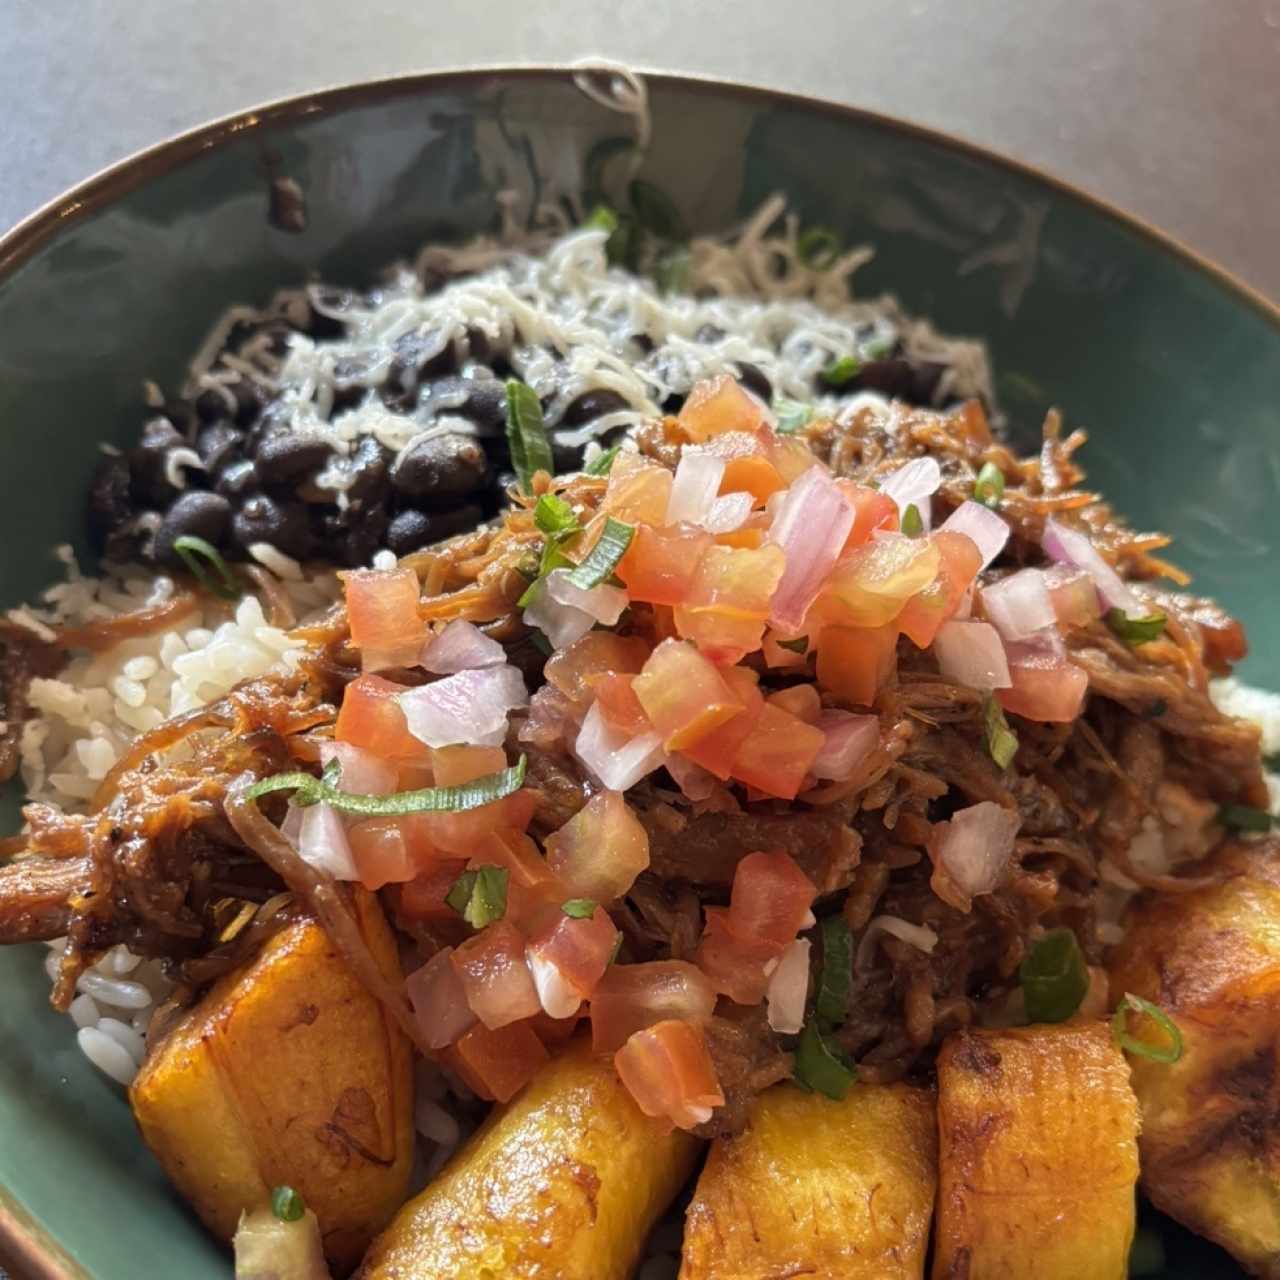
x: 183, y: 416
x: 197, y: 513
x: 351, y: 537
x: 479, y: 347
x: 248, y: 400
x: 316, y: 325
x: 483, y: 400
x: 150, y: 486
x: 410, y: 530
x: 440, y: 470
x: 893, y: 378
x: 643, y: 342
x: 708, y: 333
x: 345, y: 398
x: 219, y: 445
x: 211, y: 405
x: 755, y: 380
x: 236, y: 479
x: 109, y: 505
x: 924, y: 382
x: 284, y: 525
x: 591, y: 405
x: 370, y: 464
x: 284, y: 457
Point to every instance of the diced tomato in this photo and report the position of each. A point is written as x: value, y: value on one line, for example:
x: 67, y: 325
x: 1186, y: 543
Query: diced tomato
x: 720, y: 405
x: 770, y: 900
x: 631, y: 997
x: 925, y: 612
x: 775, y: 756
x: 716, y: 752
x: 872, y: 510
x: 736, y: 967
x: 667, y: 1069
x: 452, y: 766
x: 570, y: 670
x: 1047, y: 688
x: 660, y: 562
x: 577, y: 950
x: 495, y: 975
x: 871, y: 585
x: 439, y: 1001
x: 800, y: 700
x: 616, y: 698
x: 371, y: 718
x: 729, y: 600
x: 748, y: 538
x: 382, y: 611
x: 414, y: 775
x: 790, y: 456
x: 855, y: 663
x: 683, y: 694
x: 638, y: 493
x: 461, y: 832
x: 422, y: 899
x: 776, y: 655
x: 534, y: 891
x: 497, y: 1064
x: 747, y: 464
x: 1074, y: 596
x: 599, y: 852
x: 361, y: 773
x: 381, y: 854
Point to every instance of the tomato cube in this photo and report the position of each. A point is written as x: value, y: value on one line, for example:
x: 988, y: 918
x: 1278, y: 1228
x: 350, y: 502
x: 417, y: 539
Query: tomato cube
x: 926, y: 611
x: 381, y: 853
x: 495, y: 976
x: 717, y: 750
x: 683, y: 694
x: 775, y: 756
x: 668, y: 1071
x: 631, y: 997
x: 770, y: 900
x: 1047, y: 688
x: 382, y: 611
x: 659, y: 565
x: 720, y: 405
x: 855, y: 663
x: 371, y: 718
x: 870, y: 587
x: 729, y: 600
x: 599, y: 852
x: 497, y: 1064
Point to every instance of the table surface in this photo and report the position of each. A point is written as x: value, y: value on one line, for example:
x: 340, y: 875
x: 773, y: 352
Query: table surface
x: 1170, y: 110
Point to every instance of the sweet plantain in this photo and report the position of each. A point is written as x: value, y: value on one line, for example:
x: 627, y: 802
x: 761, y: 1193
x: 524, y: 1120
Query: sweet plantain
x: 1211, y: 1121
x: 564, y: 1181
x: 1037, y: 1155
x: 815, y: 1188
x: 287, y: 1072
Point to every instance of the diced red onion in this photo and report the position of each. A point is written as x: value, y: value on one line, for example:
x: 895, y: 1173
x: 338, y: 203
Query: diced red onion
x: 1019, y: 605
x: 555, y: 994
x: 1074, y: 594
x: 461, y: 646
x: 971, y: 653
x: 696, y: 484
x: 1070, y: 546
x: 914, y: 486
x: 694, y: 781
x: 849, y: 740
x: 964, y: 609
x: 789, y: 988
x: 728, y: 513
x: 1035, y: 649
x: 362, y: 772
x: 322, y: 842
x: 564, y: 612
x: 439, y: 1001
x: 617, y: 760
x: 811, y: 527
x: 470, y: 707
x: 988, y: 531
x: 291, y: 827
x: 919, y: 936
x: 972, y: 851
x: 552, y: 722
x: 603, y: 603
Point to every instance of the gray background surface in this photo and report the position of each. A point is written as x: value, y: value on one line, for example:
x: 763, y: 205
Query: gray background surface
x: 1169, y: 108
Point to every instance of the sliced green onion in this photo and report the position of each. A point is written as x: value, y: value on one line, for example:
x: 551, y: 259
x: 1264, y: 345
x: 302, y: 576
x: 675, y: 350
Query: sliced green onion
x: 1242, y: 817
x: 479, y: 896
x: 912, y: 525
x: 655, y: 211
x: 832, y: 1002
x: 601, y: 218
x: 877, y: 347
x: 1054, y: 977
x: 526, y: 435
x: 1136, y: 631
x: 622, y: 249
x: 988, y: 488
x: 820, y: 1067
x: 818, y: 248
x: 838, y: 372
x: 580, y: 908
x: 287, y: 1204
x: 602, y: 463
x: 553, y: 514
x: 792, y: 415
x: 1167, y: 1053
x: 1146, y: 1254
x: 673, y: 272
x: 1002, y: 742
x: 527, y: 566
x: 467, y: 795
x: 603, y: 558
x: 199, y: 556
x: 799, y: 645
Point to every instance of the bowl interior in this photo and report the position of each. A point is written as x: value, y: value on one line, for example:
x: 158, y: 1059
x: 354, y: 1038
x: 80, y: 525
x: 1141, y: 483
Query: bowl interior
x: 1176, y: 375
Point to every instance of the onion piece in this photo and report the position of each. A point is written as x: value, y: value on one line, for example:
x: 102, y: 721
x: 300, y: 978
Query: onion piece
x: 811, y: 527
x: 603, y: 603
x: 1070, y: 546
x: 323, y: 844
x: 789, y: 988
x: 728, y: 513
x: 362, y: 773
x: 914, y: 486
x: 564, y: 612
x: 439, y: 1001
x: 461, y: 646
x: 971, y: 852
x: 695, y: 487
x: 849, y: 740
x: 919, y: 936
x: 1019, y: 605
x: 971, y: 653
x: 470, y: 707
x: 558, y: 998
x: 988, y: 531
x: 695, y: 782
x: 618, y: 761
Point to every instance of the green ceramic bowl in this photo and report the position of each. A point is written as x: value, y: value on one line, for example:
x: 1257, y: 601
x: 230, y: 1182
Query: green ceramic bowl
x: 1174, y: 368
